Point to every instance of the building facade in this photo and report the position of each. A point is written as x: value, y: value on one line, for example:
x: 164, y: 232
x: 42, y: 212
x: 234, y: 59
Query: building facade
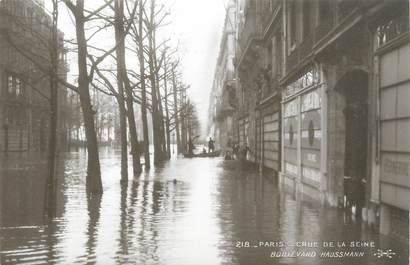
x: 343, y: 121
x: 258, y: 65
x: 24, y: 87
x: 322, y: 92
x: 222, y: 98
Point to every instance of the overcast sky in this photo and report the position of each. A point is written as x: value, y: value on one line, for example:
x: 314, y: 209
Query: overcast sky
x: 196, y: 26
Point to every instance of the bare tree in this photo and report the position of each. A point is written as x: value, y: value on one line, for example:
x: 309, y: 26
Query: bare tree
x: 175, y: 105
x: 52, y: 153
x: 139, y: 39
x: 94, y: 184
x: 104, y: 84
x: 123, y: 82
x: 167, y: 118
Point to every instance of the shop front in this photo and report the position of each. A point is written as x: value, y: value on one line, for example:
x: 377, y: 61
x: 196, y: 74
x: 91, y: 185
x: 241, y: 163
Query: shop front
x: 392, y: 191
x: 268, y: 133
x: 302, y: 125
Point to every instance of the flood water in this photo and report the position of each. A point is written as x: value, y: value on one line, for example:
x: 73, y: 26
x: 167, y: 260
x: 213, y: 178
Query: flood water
x: 201, y: 211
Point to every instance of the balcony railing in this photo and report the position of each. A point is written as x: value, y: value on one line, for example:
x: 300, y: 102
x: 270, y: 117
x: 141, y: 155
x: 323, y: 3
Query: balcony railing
x: 249, y: 29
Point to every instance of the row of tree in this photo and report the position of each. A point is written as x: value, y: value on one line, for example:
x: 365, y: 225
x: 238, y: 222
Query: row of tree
x: 139, y: 70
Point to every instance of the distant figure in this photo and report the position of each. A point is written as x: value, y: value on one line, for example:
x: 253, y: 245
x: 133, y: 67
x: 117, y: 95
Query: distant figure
x: 203, y: 150
x: 245, y: 151
x: 235, y: 150
x: 211, y: 145
x: 229, y: 150
x: 228, y: 156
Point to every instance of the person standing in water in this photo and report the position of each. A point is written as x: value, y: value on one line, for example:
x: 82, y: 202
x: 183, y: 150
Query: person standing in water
x: 211, y: 145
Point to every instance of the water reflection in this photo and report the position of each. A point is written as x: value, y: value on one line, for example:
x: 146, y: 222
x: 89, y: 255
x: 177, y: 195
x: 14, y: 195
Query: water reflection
x: 187, y: 211
x: 93, y: 207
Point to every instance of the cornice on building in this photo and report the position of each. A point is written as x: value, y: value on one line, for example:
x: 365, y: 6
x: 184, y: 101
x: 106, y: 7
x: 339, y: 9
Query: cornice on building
x: 359, y: 14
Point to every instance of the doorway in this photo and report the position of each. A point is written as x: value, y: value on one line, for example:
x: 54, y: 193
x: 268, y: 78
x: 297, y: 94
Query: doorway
x: 354, y: 88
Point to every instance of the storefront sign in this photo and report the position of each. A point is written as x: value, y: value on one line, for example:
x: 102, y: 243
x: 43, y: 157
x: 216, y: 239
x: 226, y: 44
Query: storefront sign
x: 308, y: 79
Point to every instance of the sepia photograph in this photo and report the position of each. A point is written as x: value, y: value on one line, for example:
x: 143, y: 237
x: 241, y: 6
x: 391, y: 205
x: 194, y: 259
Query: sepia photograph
x: 204, y: 132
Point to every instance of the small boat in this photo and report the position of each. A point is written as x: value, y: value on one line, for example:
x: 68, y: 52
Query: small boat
x: 213, y: 154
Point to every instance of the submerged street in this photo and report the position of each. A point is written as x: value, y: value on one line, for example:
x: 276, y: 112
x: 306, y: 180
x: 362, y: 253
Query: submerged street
x: 200, y: 211
x: 217, y: 132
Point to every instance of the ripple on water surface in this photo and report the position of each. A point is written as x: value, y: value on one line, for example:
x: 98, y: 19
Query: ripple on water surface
x: 184, y: 212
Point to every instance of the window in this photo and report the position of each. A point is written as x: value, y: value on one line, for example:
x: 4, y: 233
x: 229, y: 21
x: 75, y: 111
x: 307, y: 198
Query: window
x: 292, y: 23
x: 392, y: 29
x: 270, y: 58
x: 306, y: 19
x: 324, y: 11
x: 10, y: 84
x: 19, y: 87
x: 277, y: 55
x: 15, y: 85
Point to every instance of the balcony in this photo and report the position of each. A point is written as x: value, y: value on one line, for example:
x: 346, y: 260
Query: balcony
x: 224, y: 110
x: 250, y: 28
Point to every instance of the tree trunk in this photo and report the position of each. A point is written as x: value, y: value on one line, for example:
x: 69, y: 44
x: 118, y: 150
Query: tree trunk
x: 155, y: 112
x: 93, y: 181
x: 160, y: 109
x: 183, y: 122
x: 168, y: 134
x: 123, y: 81
x: 121, y: 105
x: 136, y: 163
x: 123, y: 136
x: 143, y: 87
x: 178, y: 136
x: 155, y: 118
x: 53, y: 149
x: 161, y: 122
